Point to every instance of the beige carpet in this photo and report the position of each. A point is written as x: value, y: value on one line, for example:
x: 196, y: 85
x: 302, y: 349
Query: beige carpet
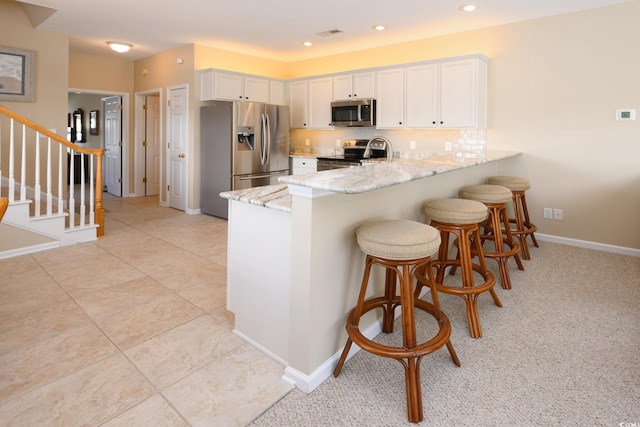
x: 563, y: 351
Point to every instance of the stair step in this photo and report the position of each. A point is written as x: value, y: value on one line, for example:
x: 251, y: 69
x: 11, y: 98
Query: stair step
x: 17, y: 241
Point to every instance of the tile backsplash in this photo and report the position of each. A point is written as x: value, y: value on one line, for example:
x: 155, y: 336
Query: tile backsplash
x: 467, y: 143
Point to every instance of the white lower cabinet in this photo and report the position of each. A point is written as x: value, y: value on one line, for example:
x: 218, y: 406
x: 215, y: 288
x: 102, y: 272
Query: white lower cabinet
x: 300, y: 165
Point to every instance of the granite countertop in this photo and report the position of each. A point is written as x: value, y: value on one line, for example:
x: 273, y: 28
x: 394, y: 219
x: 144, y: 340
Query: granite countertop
x: 372, y: 175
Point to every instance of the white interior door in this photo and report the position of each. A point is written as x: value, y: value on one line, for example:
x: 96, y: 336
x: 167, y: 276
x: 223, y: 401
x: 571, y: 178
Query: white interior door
x: 177, y: 147
x: 112, y: 108
x: 152, y: 145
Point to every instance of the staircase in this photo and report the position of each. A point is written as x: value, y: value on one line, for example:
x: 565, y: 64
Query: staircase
x: 49, y: 195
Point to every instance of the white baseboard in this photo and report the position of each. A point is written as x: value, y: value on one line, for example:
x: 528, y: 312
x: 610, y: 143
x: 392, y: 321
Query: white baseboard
x: 621, y: 250
x: 259, y: 347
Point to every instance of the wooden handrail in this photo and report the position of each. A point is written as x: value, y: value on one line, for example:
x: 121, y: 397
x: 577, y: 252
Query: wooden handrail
x: 98, y: 152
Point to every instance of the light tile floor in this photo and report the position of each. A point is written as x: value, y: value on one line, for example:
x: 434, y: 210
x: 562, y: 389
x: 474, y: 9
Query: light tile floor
x: 129, y: 330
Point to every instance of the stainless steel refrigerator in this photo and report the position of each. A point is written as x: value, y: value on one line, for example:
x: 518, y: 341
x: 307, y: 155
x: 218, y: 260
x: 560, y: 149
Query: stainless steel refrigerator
x: 243, y: 145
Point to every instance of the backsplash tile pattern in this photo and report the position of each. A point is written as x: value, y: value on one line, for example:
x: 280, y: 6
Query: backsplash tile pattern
x: 464, y: 143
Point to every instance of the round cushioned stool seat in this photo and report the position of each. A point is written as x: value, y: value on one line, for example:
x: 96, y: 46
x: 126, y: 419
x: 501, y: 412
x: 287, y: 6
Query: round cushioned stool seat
x: 398, y: 239
x: 486, y: 193
x: 456, y: 211
x: 513, y: 183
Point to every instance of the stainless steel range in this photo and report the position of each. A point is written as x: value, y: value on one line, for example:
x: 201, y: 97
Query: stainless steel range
x: 354, y: 150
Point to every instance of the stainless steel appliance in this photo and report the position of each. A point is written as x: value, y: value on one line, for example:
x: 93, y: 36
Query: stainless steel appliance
x: 243, y: 145
x: 354, y: 152
x: 355, y: 113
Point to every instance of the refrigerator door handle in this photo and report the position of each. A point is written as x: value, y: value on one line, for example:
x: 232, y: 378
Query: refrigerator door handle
x: 263, y: 139
x: 268, y: 149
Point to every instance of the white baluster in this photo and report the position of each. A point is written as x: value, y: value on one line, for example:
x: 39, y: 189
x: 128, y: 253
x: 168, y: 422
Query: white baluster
x: 92, y: 187
x: 72, y: 199
x: 49, y: 195
x: 82, y: 206
x: 36, y: 189
x: 12, y: 180
x: 23, y: 166
x: 60, y: 197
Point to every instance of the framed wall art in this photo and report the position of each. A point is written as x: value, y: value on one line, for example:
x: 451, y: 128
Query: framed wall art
x: 94, y: 122
x: 17, y: 69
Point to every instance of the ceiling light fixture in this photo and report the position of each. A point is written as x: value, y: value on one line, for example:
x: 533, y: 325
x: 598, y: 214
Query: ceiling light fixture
x: 379, y: 27
x: 120, y: 47
x: 307, y: 44
x: 468, y: 7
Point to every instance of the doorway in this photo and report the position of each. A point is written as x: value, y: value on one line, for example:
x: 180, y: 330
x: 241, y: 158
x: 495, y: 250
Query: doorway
x: 148, y: 137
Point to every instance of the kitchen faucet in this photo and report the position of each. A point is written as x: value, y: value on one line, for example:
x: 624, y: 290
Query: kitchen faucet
x: 367, y: 151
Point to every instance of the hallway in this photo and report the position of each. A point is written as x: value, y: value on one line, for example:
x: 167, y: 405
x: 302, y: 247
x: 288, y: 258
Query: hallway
x: 130, y: 329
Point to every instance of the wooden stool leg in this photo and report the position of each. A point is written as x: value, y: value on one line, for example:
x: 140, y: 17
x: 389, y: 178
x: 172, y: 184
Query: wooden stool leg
x: 357, y: 313
x: 495, y: 216
x: 389, y: 293
x: 527, y: 221
x: 520, y: 227
x: 512, y: 243
x: 413, y: 389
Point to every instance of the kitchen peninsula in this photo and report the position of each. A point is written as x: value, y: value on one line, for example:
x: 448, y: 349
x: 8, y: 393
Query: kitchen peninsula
x: 294, y: 267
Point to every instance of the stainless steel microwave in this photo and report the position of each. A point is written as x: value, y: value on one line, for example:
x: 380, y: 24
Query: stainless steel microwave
x: 355, y: 113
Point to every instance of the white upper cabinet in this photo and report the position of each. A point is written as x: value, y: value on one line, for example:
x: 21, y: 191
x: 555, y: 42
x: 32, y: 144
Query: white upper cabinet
x: 233, y: 87
x: 256, y: 89
x: 277, y: 92
x: 463, y: 93
x: 319, y: 103
x: 354, y: 86
x: 298, y: 104
x: 446, y: 94
x: 390, y: 98
x: 422, y: 96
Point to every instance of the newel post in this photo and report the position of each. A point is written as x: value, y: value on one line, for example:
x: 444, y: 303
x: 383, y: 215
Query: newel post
x: 99, y: 210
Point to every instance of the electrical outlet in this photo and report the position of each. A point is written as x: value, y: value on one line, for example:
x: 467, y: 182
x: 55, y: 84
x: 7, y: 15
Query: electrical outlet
x: 557, y: 214
x: 412, y: 145
x: 307, y: 142
x: 338, y: 144
x: 548, y: 213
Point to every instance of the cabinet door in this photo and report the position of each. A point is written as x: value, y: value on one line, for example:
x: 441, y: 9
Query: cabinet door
x: 302, y: 165
x: 298, y: 104
x: 390, y: 98
x: 458, y: 94
x: 277, y: 92
x: 320, y: 96
x: 206, y: 85
x: 342, y: 88
x: 363, y: 85
x: 422, y: 96
x: 256, y: 89
x: 228, y: 86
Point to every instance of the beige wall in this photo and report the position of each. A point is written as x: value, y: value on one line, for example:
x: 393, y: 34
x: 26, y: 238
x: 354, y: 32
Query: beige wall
x: 51, y: 67
x: 51, y: 71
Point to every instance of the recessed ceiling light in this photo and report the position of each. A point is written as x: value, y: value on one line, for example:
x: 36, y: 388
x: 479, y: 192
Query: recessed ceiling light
x: 379, y: 27
x: 307, y: 44
x: 468, y: 7
x: 119, y: 46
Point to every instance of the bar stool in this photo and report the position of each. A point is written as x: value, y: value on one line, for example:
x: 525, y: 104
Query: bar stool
x: 496, y: 197
x: 462, y: 218
x: 524, y: 227
x: 402, y: 247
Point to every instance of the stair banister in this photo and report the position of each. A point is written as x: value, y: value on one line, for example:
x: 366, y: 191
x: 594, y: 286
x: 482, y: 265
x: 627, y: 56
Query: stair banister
x: 96, y: 213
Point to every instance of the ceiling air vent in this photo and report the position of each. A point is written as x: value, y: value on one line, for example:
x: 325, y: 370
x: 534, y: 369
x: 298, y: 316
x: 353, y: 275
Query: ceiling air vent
x: 329, y: 33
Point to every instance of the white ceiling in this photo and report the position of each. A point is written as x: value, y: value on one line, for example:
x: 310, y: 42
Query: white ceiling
x: 275, y: 28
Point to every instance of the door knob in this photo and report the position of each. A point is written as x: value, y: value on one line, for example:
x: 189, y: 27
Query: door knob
x: 181, y: 155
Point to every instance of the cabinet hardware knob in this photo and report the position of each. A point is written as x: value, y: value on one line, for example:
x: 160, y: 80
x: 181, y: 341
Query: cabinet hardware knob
x: 181, y: 155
